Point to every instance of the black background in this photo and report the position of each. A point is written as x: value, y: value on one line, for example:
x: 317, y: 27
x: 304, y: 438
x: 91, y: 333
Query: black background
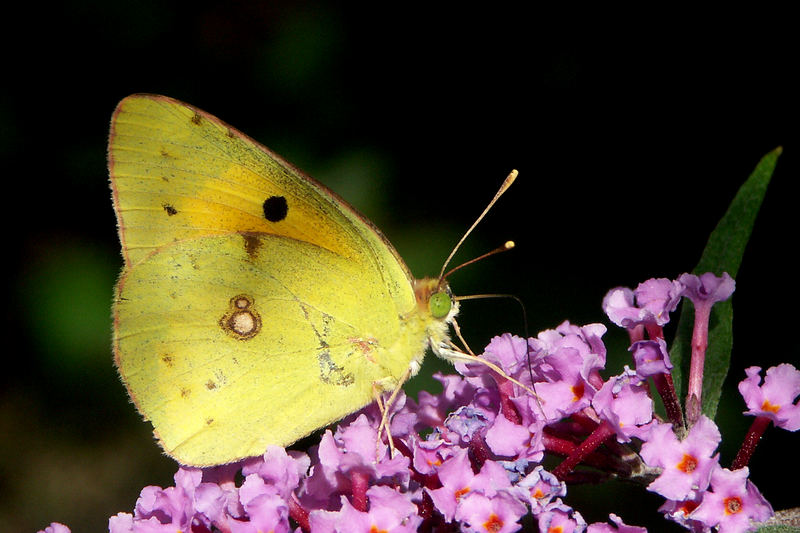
x: 632, y: 131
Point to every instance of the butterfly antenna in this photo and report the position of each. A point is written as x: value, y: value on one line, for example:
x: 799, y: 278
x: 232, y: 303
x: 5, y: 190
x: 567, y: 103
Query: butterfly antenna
x: 508, y: 245
x: 503, y: 188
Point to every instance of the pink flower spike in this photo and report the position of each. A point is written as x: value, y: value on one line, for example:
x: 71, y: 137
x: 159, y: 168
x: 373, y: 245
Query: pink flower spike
x: 776, y: 397
x: 733, y: 504
x: 704, y: 291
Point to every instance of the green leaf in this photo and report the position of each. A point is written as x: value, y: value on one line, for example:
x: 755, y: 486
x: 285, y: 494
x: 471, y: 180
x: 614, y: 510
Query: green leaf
x: 723, y: 253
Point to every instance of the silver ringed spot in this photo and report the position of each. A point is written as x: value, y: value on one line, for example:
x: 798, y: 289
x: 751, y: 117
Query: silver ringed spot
x: 241, y: 321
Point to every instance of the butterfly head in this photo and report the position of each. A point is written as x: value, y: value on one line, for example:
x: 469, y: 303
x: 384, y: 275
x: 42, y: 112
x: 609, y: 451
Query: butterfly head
x: 436, y: 300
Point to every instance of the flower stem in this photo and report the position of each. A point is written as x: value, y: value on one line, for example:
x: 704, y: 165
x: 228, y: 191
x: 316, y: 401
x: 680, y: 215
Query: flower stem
x: 298, y: 514
x: 592, y: 442
x: 754, y: 435
x: 666, y: 389
x: 694, y: 393
x: 359, y: 482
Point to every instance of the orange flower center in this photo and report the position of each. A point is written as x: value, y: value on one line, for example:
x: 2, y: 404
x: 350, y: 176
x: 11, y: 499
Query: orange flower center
x: 687, y: 464
x: 766, y: 406
x: 733, y: 505
x: 494, y: 524
x: 577, y: 391
x: 460, y: 492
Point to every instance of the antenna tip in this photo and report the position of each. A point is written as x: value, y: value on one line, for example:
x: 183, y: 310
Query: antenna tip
x: 509, y: 245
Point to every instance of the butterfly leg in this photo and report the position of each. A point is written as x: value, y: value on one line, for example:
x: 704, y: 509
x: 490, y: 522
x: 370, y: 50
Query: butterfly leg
x: 377, y: 393
x: 385, y: 409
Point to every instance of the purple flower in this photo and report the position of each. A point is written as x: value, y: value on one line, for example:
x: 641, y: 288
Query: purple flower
x: 651, y: 303
x: 266, y: 509
x: 466, y: 422
x: 707, y: 289
x: 433, y: 409
x: 458, y: 479
x: 775, y: 398
x: 562, y: 520
x: 389, y: 511
x: 586, y: 341
x: 623, y: 402
x: 686, y: 464
x: 568, y: 360
x: 348, y: 457
x: 733, y: 503
x: 499, y: 513
x: 469, y: 457
x: 430, y: 454
x: 507, y: 439
x: 510, y: 353
x: 542, y: 489
x: 680, y: 512
x: 55, y: 527
x: 651, y: 357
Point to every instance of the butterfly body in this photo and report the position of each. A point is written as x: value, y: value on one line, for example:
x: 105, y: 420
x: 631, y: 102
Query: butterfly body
x: 255, y: 306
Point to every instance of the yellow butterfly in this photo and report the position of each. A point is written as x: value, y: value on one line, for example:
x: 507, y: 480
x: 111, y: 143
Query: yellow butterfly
x: 254, y: 306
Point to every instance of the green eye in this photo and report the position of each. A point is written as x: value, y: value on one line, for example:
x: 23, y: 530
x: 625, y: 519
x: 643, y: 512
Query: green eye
x: 440, y: 304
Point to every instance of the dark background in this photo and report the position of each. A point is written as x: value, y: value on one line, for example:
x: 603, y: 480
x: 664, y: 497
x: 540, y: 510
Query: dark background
x: 631, y: 131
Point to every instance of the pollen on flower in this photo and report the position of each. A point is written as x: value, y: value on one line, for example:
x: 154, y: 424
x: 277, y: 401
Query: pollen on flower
x: 374, y: 529
x: 687, y: 464
x: 578, y: 391
x: 461, y: 492
x: 769, y: 407
x: 494, y: 524
x: 732, y: 505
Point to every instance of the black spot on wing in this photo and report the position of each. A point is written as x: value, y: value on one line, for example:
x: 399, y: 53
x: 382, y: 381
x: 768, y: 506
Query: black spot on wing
x: 170, y: 210
x: 275, y: 208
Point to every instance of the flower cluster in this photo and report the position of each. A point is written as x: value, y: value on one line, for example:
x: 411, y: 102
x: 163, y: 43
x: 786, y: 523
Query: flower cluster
x: 470, y: 457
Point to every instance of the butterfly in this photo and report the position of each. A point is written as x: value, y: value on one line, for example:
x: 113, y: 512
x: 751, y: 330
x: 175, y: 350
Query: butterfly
x: 255, y: 306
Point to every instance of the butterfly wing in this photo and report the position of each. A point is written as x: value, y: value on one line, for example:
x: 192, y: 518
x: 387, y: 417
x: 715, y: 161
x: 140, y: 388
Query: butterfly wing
x: 178, y: 172
x: 255, y: 306
x: 227, y: 349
